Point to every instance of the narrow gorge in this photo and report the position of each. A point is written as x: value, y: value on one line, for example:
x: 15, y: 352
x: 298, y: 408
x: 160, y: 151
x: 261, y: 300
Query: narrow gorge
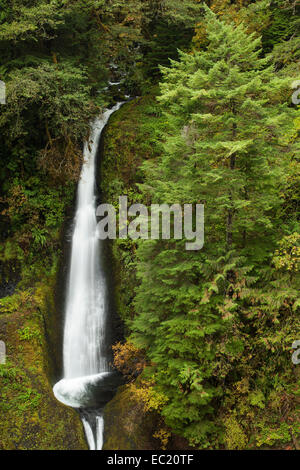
x: 146, y: 342
x: 88, y: 381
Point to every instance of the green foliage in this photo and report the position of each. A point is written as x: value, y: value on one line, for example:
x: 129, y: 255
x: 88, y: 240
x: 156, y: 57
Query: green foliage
x: 8, y: 372
x: 29, y: 333
x: 235, y: 438
x: 202, y: 316
x: 38, y: 21
x: 284, y: 24
x: 12, y: 303
x: 218, y: 324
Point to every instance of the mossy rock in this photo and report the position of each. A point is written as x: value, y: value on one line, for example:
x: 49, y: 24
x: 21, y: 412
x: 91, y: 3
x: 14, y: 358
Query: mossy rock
x: 30, y: 416
x: 130, y: 138
x: 127, y: 427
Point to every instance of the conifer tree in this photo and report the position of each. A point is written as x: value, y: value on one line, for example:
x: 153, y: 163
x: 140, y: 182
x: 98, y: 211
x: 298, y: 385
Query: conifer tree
x: 227, y: 148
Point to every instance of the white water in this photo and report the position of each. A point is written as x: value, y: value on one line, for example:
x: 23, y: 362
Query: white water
x: 99, y: 431
x: 84, y: 357
x: 89, y: 434
x: 95, y: 441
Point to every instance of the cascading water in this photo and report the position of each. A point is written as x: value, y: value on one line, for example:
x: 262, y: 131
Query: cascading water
x: 87, y: 381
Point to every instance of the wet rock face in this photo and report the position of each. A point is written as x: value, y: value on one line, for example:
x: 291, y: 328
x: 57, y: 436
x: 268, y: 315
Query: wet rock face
x: 9, y: 268
x: 115, y: 324
x: 88, y: 392
x: 9, y: 277
x: 126, y: 426
x: 30, y: 322
x: 30, y: 416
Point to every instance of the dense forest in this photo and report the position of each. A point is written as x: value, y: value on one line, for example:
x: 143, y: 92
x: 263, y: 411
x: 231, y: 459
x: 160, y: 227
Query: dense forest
x: 206, y: 349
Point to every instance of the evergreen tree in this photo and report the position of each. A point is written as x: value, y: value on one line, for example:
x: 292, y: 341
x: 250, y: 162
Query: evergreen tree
x: 227, y: 148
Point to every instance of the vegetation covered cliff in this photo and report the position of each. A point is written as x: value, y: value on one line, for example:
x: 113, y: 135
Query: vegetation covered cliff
x: 30, y: 416
x: 216, y: 370
x: 207, y: 355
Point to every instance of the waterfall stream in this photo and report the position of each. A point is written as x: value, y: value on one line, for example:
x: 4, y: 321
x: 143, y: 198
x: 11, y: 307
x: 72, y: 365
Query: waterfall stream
x: 88, y: 382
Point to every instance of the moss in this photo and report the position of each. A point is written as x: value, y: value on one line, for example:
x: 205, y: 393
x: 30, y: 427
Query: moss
x: 30, y: 416
x: 127, y: 426
x: 235, y: 437
x: 126, y: 144
x: 130, y: 138
x: 30, y: 325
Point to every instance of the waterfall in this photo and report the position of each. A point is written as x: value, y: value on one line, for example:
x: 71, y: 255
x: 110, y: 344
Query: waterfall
x: 86, y: 368
x: 89, y: 434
